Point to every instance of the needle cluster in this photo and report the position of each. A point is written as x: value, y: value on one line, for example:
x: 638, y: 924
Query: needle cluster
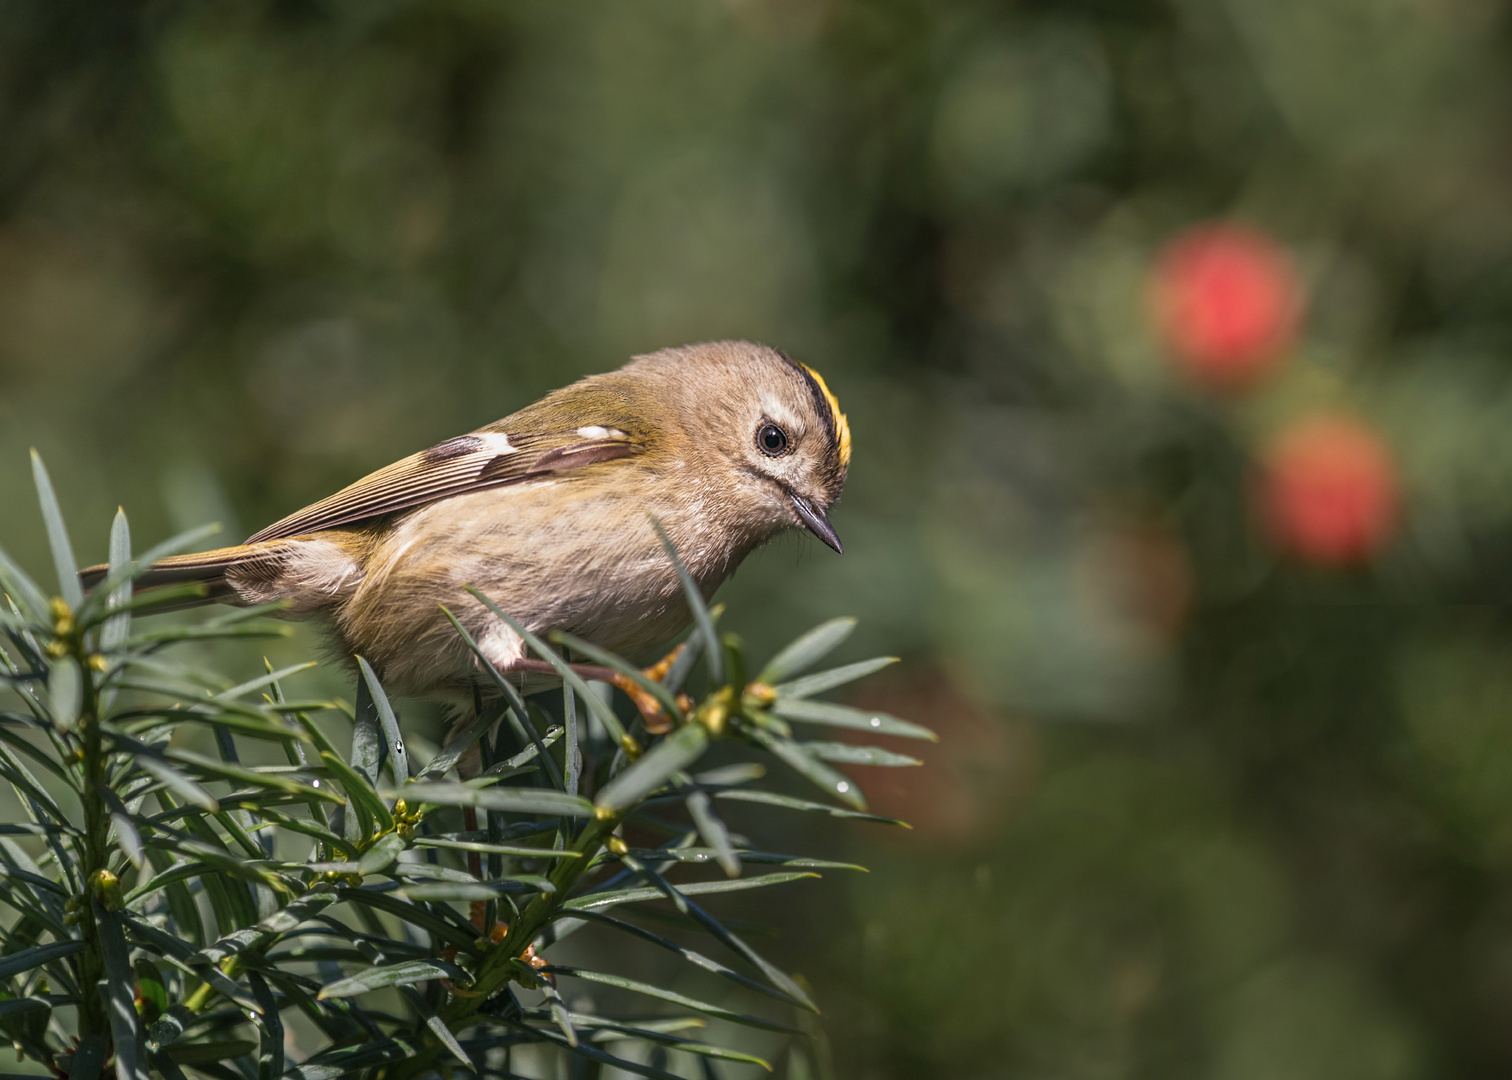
x: 174, y: 913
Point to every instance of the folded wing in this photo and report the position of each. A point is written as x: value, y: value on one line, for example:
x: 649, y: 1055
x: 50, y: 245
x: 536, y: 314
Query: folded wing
x: 468, y: 463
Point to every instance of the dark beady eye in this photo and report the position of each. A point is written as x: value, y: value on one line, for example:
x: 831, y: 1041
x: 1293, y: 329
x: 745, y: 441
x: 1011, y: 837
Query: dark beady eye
x: 772, y: 440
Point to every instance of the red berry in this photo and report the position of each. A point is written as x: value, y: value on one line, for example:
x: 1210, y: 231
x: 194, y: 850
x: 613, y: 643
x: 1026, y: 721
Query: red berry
x: 1226, y: 301
x: 1328, y: 492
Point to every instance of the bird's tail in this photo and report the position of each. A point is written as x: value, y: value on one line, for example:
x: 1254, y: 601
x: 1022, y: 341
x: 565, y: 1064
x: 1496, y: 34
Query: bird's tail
x: 213, y: 569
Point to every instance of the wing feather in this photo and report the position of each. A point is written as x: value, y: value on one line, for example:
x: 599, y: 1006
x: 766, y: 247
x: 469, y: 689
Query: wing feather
x: 457, y: 466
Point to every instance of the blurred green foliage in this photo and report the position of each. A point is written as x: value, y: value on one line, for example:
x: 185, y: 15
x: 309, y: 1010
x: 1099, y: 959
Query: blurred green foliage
x: 1199, y: 811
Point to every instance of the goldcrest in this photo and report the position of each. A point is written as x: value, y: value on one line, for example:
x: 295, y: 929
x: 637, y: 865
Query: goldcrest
x: 549, y: 512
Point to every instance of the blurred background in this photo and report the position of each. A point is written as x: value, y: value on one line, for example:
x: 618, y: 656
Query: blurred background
x: 1174, y: 336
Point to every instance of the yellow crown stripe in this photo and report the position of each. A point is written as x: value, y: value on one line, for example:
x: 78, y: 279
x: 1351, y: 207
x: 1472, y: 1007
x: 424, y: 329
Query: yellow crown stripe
x: 842, y: 429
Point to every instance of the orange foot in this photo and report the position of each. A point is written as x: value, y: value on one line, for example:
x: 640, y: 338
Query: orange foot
x: 657, y: 721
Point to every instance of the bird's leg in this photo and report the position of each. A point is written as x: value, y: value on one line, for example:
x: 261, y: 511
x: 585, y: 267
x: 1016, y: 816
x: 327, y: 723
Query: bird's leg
x: 541, y: 667
x: 657, y: 722
x: 505, y: 651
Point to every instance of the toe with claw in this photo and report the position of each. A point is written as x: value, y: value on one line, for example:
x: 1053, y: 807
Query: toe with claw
x: 657, y: 721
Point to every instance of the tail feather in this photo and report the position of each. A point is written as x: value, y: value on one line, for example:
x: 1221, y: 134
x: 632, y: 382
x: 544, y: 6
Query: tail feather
x: 248, y: 562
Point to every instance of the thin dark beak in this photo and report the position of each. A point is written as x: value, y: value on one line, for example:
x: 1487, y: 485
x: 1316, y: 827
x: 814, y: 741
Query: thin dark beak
x: 817, y: 523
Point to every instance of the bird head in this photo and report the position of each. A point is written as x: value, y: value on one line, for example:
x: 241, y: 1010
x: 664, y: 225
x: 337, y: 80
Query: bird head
x: 763, y: 427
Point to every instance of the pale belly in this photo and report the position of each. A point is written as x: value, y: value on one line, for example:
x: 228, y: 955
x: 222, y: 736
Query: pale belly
x: 591, y: 566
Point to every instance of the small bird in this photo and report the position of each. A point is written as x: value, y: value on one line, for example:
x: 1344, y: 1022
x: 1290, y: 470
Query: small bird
x: 549, y: 513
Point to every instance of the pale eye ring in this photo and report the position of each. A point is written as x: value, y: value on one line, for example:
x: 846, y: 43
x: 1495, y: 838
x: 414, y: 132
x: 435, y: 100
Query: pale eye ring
x: 771, y: 440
